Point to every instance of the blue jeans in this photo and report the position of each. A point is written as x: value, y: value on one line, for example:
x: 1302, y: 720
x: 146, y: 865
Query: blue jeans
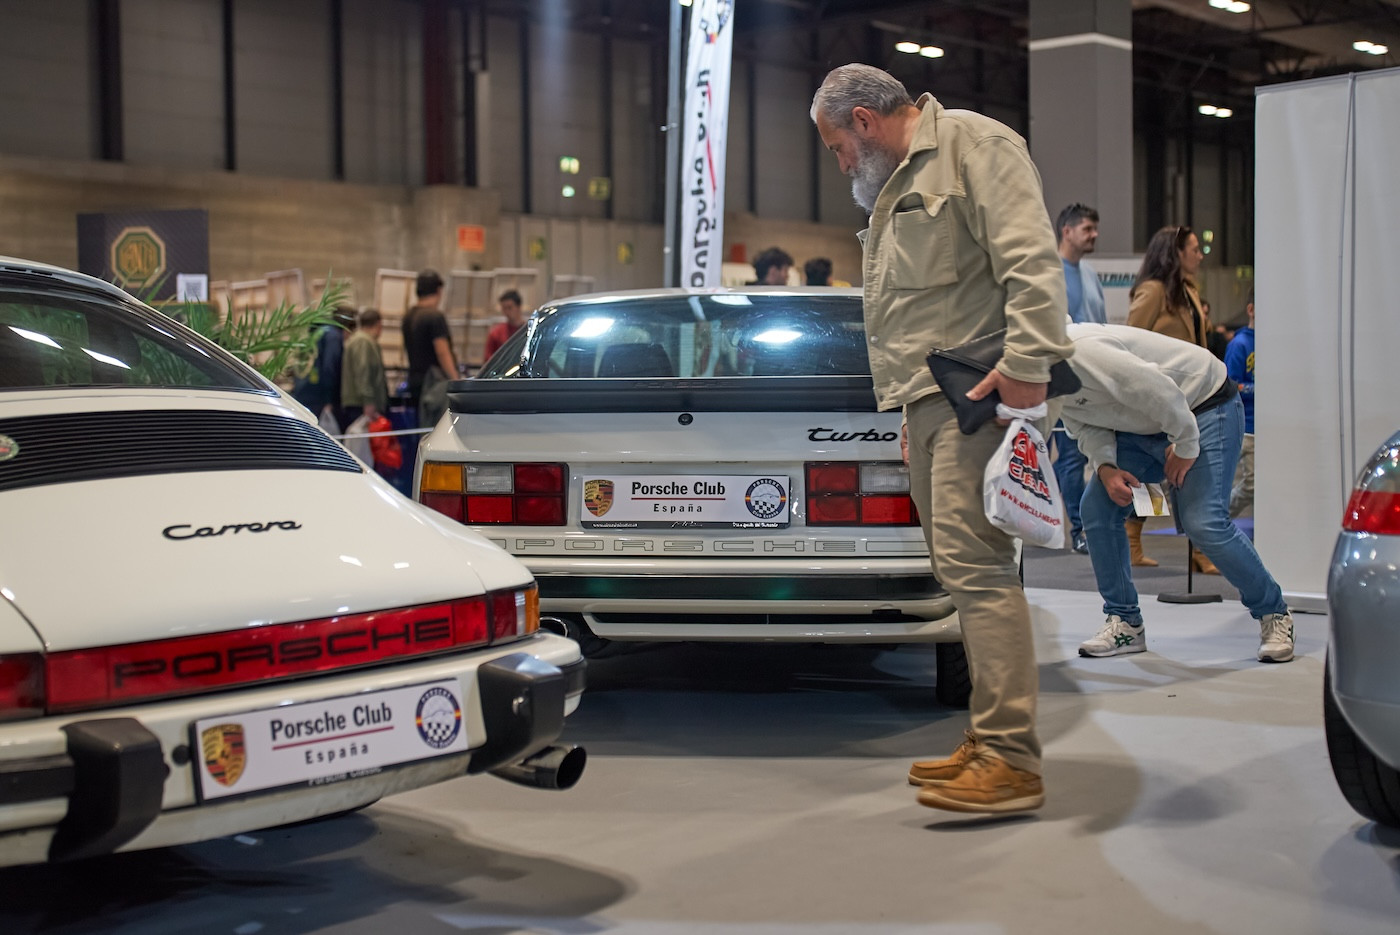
x: 1203, y: 503
x: 1069, y: 472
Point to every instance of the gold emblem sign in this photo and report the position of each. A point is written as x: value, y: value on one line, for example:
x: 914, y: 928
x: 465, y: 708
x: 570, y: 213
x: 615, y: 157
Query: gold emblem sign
x: 138, y: 257
x: 598, y: 496
x: 224, y: 752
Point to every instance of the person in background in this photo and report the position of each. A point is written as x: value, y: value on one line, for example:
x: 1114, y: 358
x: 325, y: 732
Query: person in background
x: 818, y: 271
x: 363, y: 389
x: 771, y: 267
x: 320, y: 388
x: 1077, y: 231
x: 428, y: 345
x: 1150, y: 409
x: 1164, y: 299
x: 1239, y: 363
x: 513, y: 311
x: 984, y: 260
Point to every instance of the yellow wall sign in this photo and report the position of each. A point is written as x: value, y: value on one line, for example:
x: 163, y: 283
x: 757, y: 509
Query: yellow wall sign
x: 536, y: 248
x: 624, y: 253
x: 138, y: 257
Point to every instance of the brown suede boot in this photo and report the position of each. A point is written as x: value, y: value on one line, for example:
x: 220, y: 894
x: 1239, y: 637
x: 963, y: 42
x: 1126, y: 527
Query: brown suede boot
x: 1133, y: 527
x: 1202, y: 564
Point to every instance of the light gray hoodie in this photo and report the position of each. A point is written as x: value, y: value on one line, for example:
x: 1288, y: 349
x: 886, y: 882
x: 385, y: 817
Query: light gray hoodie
x: 1136, y: 381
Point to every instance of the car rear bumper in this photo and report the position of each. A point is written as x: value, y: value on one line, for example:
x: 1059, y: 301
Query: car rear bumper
x: 881, y: 601
x: 1362, y: 589
x: 98, y: 782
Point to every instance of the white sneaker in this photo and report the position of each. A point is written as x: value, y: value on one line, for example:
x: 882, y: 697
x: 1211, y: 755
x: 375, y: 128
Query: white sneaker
x: 1116, y: 638
x: 1276, y: 637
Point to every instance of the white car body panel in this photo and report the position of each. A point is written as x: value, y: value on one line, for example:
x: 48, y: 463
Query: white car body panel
x: 114, y: 553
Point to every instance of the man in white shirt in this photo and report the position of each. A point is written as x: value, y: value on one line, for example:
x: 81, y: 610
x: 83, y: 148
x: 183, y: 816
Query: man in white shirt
x: 1155, y: 408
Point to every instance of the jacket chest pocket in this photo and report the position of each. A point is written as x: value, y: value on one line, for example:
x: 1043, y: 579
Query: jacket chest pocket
x: 923, y: 253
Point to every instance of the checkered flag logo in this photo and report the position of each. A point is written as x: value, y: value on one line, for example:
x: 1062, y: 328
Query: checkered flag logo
x: 439, y: 717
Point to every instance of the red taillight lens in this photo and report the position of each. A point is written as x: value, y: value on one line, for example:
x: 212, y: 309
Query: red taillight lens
x: 514, y: 614
x: 21, y: 686
x: 90, y: 678
x: 496, y: 494
x: 1374, y: 506
x: 859, y: 493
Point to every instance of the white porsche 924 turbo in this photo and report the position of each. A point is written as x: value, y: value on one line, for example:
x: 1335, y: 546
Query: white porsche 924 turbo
x: 213, y: 618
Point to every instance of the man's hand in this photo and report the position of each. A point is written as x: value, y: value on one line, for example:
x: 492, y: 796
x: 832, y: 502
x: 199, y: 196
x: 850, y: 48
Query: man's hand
x: 1014, y: 393
x: 1177, y: 467
x: 1119, y: 484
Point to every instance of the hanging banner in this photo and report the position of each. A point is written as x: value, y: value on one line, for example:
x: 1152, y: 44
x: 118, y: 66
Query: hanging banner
x: 706, y: 132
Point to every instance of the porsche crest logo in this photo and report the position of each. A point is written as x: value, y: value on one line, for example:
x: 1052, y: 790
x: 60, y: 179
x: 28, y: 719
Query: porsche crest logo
x: 224, y: 752
x: 598, y: 496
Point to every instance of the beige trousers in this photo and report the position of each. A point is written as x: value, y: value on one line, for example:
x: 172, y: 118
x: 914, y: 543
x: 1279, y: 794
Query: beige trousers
x: 976, y: 563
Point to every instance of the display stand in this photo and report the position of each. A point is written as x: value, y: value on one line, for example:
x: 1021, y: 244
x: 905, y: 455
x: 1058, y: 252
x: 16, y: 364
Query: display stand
x: 1190, y: 596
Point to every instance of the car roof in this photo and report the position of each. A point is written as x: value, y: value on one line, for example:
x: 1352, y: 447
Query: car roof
x: 67, y: 276
x: 624, y: 295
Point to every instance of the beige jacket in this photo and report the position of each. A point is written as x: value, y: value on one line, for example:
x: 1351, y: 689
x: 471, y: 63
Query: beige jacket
x: 959, y: 246
x: 1150, y: 309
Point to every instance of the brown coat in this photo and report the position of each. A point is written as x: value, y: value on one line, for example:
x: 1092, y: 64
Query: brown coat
x: 1151, y: 310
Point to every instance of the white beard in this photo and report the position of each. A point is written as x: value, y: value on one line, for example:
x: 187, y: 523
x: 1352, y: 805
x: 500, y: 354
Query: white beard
x: 873, y: 169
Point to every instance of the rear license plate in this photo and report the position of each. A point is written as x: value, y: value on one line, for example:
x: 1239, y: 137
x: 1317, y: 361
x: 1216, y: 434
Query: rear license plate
x: 321, y: 742
x: 729, y: 501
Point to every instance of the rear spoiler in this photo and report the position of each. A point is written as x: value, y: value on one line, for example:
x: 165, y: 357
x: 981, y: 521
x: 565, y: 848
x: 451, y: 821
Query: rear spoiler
x: 664, y: 394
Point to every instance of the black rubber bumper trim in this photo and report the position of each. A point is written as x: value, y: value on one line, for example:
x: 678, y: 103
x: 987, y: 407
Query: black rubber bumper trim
x: 522, y: 702
x: 741, y: 587
x: 36, y: 778
x: 118, y: 783
x: 574, y: 677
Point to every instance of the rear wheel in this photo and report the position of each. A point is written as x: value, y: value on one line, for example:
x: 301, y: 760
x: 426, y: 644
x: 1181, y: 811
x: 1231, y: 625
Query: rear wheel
x: 953, y: 685
x: 1369, y: 785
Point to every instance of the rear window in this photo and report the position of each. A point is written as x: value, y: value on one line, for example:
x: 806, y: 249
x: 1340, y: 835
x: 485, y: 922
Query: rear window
x: 697, y: 336
x: 58, y: 338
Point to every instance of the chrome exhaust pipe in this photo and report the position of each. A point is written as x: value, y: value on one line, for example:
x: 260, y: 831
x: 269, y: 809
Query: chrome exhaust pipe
x: 555, y: 767
x: 554, y: 625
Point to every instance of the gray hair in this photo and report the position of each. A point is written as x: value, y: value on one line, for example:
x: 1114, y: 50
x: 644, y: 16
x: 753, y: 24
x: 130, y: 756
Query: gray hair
x: 852, y: 86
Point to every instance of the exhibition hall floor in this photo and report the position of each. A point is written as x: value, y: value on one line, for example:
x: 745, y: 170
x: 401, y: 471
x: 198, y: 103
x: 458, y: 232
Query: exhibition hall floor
x: 761, y: 790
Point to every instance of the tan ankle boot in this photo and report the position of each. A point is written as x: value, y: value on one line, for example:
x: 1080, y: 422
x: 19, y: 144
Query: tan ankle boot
x: 1133, y: 527
x: 1202, y: 564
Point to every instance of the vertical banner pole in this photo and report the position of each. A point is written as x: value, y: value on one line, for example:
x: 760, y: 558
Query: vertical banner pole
x: 711, y: 42
x: 673, y: 144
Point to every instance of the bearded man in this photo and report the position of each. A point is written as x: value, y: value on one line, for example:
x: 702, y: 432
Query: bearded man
x: 959, y: 246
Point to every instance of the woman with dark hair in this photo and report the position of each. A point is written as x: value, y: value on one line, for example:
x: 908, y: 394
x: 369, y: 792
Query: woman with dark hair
x: 1164, y: 299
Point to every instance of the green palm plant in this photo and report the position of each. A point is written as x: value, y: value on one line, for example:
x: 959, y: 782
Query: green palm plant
x: 280, y: 342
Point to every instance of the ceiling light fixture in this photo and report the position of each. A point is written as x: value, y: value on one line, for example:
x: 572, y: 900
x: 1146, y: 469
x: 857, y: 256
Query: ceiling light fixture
x: 1365, y: 45
x: 1230, y: 6
x: 909, y: 47
x: 931, y: 51
x: 1211, y: 110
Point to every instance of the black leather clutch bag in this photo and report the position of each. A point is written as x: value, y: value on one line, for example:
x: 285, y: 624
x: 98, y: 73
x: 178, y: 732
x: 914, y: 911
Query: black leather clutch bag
x: 959, y: 369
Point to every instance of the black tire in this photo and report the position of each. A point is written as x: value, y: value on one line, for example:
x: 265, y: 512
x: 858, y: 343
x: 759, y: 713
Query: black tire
x: 1369, y: 785
x: 954, y: 681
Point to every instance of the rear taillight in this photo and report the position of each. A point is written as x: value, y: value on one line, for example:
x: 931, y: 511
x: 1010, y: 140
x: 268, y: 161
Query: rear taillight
x: 859, y: 493
x: 1375, y: 503
x: 110, y: 675
x: 489, y: 494
x: 21, y: 686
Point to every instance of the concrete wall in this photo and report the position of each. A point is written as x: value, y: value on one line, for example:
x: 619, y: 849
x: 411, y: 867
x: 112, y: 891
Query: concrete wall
x: 47, y: 102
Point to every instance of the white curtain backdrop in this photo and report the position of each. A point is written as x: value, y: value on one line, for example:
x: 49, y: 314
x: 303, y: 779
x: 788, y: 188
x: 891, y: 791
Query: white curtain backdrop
x: 1326, y: 282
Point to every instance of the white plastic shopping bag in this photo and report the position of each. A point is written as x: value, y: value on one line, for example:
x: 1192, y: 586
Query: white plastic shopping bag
x: 357, y: 440
x: 1019, y: 491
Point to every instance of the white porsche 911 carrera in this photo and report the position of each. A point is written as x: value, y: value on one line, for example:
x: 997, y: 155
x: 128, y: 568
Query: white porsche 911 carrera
x: 212, y: 617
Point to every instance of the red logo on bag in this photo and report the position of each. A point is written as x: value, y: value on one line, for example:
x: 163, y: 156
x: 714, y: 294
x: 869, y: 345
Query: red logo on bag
x: 1025, y: 466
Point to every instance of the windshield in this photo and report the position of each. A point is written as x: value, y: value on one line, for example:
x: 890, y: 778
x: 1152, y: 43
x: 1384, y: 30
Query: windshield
x: 712, y: 335
x: 60, y: 338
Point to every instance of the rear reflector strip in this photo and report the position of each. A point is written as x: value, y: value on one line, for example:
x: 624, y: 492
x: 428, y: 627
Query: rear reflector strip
x: 90, y: 678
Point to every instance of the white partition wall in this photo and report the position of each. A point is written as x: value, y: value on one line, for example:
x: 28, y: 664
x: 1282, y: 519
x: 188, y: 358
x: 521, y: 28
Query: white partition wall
x: 1327, y: 283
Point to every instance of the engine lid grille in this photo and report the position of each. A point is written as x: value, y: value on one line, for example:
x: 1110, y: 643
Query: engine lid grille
x: 82, y: 446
